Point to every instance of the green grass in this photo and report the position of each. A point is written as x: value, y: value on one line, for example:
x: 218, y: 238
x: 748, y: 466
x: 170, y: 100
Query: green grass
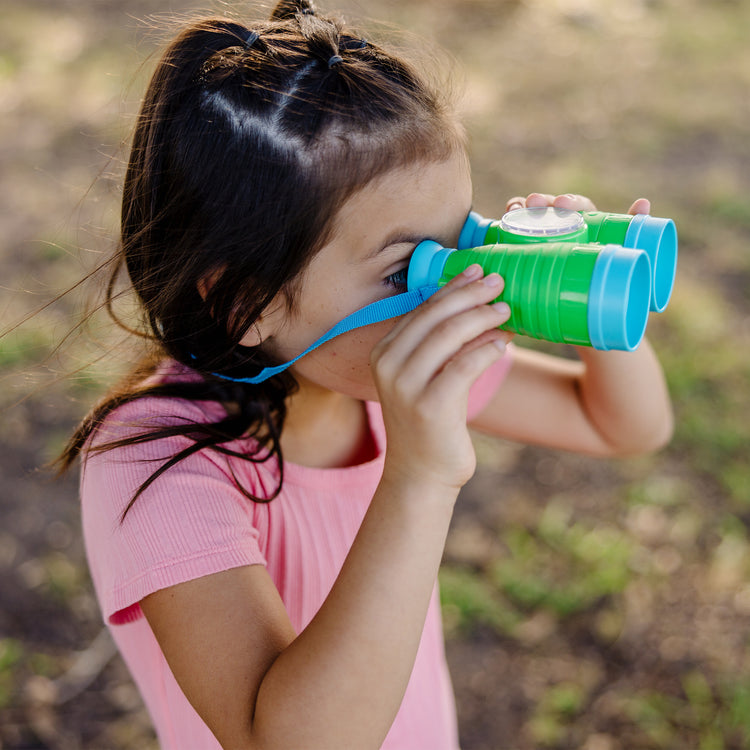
x: 563, y: 568
x: 555, y: 711
x: 11, y: 654
x: 469, y: 601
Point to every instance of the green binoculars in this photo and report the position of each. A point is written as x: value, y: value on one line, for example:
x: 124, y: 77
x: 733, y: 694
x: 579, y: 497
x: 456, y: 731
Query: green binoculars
x: 588, y: 279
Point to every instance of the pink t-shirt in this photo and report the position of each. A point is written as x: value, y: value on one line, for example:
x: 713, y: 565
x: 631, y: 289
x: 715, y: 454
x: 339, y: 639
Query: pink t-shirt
x: 194, y: 521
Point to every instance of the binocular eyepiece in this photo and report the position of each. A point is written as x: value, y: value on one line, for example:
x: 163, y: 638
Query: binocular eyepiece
x: 588, y: 279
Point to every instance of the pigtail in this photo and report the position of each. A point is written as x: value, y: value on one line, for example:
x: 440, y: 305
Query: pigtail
x: 286, y: 10
x: 322, y: 34
x: 149, y: 200
x: 176, y: 74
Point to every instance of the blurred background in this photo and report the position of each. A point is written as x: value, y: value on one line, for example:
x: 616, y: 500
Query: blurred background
x: 602, y: 605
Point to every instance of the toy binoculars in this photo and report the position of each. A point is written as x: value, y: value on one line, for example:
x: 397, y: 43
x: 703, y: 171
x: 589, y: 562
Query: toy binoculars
x: 587, y: 279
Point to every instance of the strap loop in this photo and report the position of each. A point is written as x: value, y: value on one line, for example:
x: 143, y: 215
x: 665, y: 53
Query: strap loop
x: 384, y: 309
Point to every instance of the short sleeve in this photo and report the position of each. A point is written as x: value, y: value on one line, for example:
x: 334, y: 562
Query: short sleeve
x: 488, y: 382
x: 190, y: 522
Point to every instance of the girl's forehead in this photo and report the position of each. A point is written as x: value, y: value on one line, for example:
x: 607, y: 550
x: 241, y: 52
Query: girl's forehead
x: 405, y: 205
x: 413, y: 183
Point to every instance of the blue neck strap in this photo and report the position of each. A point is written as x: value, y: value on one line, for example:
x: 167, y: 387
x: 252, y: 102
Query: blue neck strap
x: 384, y: 309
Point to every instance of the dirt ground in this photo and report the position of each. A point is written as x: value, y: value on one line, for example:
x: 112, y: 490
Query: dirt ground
x: 599, y: 605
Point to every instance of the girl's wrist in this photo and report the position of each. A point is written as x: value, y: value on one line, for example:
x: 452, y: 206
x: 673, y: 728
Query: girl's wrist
x: 419, y: 486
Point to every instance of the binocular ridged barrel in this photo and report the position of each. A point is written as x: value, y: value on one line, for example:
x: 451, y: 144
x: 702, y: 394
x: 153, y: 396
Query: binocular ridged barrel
x: 584, y: 294
x: 657, y: 237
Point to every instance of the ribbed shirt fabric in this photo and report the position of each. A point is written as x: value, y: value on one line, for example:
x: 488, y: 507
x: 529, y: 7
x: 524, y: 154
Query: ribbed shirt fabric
x: 194, y: 521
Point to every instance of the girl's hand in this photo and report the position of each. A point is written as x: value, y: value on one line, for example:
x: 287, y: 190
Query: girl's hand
x: 569, y: 200
x: 423, y: 370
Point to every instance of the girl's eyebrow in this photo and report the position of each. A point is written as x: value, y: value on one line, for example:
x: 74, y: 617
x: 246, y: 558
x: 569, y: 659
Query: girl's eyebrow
x: 397, y: 238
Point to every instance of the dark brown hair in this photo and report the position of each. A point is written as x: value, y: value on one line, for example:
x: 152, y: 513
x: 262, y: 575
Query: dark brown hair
x: 247, y: 143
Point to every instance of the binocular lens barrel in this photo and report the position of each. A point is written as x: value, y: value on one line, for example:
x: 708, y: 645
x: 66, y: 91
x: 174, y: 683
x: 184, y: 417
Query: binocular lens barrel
x: 657, y: 237
x: 584, y: 294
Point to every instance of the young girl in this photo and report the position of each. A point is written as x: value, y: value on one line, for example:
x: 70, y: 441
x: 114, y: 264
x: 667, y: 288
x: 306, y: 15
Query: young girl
x: 265, y: 549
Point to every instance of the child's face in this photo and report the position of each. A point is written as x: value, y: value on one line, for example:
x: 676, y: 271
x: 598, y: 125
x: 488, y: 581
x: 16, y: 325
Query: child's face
x: 375, y: 233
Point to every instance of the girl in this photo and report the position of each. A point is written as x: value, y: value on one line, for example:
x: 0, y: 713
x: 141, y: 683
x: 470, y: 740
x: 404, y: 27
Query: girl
x: 265, y: 549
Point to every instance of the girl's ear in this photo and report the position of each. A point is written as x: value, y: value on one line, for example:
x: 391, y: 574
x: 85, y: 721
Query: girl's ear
x: 263, y: 327
x: 268, y: 324
x: 254, y: 335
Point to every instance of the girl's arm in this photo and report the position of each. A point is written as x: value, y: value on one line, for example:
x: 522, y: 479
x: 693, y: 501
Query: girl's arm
x: 608, y: 403
x: 339, y: 683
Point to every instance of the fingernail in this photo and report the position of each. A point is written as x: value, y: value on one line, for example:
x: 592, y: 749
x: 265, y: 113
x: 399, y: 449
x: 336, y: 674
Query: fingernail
x: 492, y: 279
x: 500, y: 344
x: 502, y: 307
x: 474, y: 271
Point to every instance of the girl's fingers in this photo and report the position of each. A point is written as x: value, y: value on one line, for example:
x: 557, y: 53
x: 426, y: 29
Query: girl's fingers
x: 470, y: 275
x: 497, y: 336
x: 464, y: 292
x: 516, y: 202
x: 573, y: 202
x: 422, y: 342
x: 641, y: 206
x: 449, y: 340
x: 458, y: 375
x: 539, y: 200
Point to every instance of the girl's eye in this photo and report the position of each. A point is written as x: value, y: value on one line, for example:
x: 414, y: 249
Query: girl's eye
x: 397, y: 280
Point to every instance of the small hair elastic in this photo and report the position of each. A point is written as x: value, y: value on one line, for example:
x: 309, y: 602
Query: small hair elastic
x: 353, y: 44
x: 334, y: 60
x: 251, y: 38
